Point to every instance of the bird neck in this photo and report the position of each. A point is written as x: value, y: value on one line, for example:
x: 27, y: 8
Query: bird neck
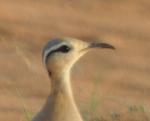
x: 60, y: 84
x: 60, y: 103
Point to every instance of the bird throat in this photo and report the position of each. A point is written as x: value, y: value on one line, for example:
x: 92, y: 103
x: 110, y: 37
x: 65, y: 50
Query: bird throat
x: 60, y: 85
x: 61, y: 101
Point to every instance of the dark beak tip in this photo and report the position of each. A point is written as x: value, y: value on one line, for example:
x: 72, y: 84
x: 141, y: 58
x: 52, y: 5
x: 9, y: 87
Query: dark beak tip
x: 102, y: 45
x: 112, y: 47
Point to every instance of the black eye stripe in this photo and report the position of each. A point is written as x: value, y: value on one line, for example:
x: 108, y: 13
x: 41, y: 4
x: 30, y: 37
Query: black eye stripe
x: 63, y: 49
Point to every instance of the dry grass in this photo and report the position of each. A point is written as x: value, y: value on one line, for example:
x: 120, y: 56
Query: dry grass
x: 117, y: 87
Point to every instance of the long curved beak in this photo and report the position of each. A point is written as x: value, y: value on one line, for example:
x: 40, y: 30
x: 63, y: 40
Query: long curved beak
x: 100, y: 45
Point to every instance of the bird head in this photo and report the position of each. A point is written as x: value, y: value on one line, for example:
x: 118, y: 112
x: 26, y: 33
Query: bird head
x: 60, y: 54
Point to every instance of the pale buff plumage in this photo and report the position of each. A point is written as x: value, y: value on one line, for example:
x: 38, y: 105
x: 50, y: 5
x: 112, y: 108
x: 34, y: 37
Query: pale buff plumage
x: 60, y: 105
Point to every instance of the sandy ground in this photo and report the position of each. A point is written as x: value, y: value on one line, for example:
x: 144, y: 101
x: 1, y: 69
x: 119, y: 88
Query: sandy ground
x: 108, y: 85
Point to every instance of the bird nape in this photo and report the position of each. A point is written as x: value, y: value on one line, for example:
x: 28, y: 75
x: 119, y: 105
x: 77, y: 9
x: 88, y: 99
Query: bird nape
x: 59, y: 55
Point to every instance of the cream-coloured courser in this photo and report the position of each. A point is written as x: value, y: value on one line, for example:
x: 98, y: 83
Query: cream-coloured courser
x: 59, y: 55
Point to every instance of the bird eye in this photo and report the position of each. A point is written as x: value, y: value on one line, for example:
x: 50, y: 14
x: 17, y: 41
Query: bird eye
x: 64, y: 49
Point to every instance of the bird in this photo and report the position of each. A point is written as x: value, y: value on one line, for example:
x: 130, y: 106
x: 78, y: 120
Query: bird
x: 59, y: 55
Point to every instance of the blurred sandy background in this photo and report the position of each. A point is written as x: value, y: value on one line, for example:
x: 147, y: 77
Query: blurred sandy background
x: 108, y: 85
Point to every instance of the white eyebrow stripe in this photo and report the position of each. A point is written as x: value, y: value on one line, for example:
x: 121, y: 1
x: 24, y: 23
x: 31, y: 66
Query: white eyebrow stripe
x: 48, y: 50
